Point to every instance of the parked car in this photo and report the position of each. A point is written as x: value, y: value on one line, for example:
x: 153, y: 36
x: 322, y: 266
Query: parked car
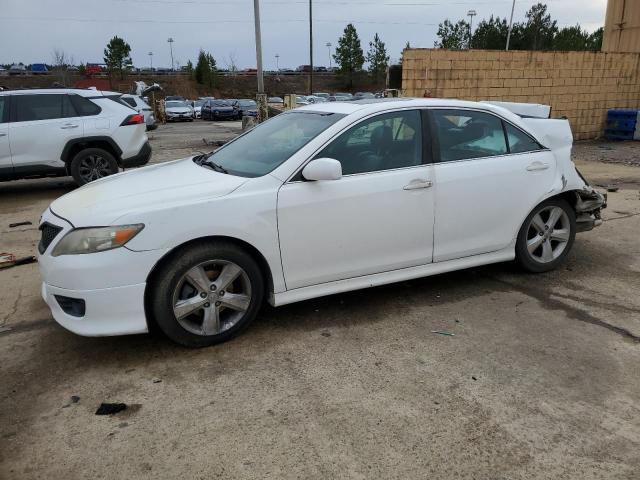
x: 197, y: 107
x: 301, y: 100
x: 171, y: 98
x: 3, y: 71
x: 338, y: 98
x: 208, y: 238
x: 39, y: 69
x: 245, y: 106
x: 177, y: 110
x: 347, y: 96
x: 314, y: 99
x: 321, y: 94
x: 141, y: 106
x: 87, y: 134
x: 275, y: 101
x: 363, y: 96
x: 218, y: 109
x: 17, y: 69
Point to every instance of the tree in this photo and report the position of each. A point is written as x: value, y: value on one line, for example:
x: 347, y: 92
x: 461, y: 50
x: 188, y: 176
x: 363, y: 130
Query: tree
x: 407, y: 46
x: 594, y: 42
x: 61, y: 64
x: 571, y: 38
x: 189, y: 68
x: 205, y: 72
x: 116, y: 56
x: 378, y: 59
x: 490, y: 34
x: 349, y: 56
x: 453, y: 35
x: 539, y: 30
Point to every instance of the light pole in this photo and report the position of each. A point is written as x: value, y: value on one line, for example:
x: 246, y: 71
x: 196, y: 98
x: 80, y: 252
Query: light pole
x: 256, y: 18
x: 471, y: 14
x: 310, y: 47
x: 278, y: 62
x: 151, y: 60
x: 513, y: 6
x: 328, y: 45
x: 170, y: 40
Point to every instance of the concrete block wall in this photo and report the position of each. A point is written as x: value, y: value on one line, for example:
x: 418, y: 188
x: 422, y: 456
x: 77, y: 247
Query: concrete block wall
x: 579, y: 85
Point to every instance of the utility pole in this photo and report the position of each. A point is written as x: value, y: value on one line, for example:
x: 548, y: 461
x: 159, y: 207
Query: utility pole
x: 310, y: 47
x: 256, y: 17
x: 151, y: 60
x: 513, y: 6
x: 328, y: 45
x: 471, y: 14
x: 170, y: 40
x: 278, y: 62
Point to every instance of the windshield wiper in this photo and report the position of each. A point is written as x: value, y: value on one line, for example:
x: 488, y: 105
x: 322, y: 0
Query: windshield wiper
x: 203, y: 161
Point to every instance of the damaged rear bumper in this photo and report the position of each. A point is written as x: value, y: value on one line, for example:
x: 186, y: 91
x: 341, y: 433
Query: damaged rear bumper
x: 589, y: 204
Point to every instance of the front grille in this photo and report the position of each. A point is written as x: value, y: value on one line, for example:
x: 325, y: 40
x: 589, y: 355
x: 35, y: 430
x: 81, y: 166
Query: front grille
x: 49, y: 232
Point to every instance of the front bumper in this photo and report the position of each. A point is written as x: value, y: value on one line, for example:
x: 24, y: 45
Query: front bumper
x: 108, y: 311
x: 142, y: 158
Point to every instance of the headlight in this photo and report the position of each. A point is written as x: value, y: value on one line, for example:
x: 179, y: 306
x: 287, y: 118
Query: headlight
x: 95, y: 239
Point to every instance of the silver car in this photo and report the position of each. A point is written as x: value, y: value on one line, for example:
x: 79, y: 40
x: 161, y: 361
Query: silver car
x: 139, y: 105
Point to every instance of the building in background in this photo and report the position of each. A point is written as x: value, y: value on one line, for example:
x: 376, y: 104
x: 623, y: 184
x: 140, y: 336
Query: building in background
x: 622, y: 26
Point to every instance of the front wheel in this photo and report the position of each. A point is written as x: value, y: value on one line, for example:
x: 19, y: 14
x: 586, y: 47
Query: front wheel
x: 546, y: 236
x: 206, y: 294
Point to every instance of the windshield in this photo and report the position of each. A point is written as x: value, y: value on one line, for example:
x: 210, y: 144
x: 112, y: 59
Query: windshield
x: 175, y: 104
x: 220, y: 103
x: 247, y: 103
x: 271, y: 143
x: 199, y: 103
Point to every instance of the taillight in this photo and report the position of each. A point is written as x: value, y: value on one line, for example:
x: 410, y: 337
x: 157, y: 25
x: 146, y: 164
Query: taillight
x: 135, y: 119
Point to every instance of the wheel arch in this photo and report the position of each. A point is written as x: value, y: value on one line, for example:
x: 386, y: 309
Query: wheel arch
x: 250, y: 249
x: 75, y: 145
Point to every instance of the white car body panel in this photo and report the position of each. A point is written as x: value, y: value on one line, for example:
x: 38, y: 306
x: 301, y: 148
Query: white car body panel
x: 317, y: 238
x: 5, y: 149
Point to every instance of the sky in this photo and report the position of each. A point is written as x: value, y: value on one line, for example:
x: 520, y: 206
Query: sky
x: 31, y: 29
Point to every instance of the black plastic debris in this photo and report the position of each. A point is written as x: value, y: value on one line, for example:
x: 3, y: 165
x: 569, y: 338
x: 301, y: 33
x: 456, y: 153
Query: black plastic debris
x: 110, y: 408
x: 19, y: 224
x: 75, y: 398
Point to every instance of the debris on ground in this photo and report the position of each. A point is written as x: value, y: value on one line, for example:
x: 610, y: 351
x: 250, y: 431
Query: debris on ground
x: 110, y: 408
x: 4, y: 329
x: 8, y: 260
x: 75, y: 398
x: 215, y: 143
x: 19, y: 224
x: 156, y: 380
x: 446, y: 334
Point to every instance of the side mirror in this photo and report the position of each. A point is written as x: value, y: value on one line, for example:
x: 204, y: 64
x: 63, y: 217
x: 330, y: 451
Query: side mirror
x: 323, y: 169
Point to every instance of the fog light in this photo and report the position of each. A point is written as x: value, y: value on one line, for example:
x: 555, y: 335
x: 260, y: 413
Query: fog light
x: 71, y: 306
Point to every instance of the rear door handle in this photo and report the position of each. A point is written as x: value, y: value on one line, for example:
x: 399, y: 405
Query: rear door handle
x: 536, y: 166
x: 417, y: 184
x: 69, y: 125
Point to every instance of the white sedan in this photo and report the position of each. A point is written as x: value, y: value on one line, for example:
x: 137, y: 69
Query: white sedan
x: 318, y: 200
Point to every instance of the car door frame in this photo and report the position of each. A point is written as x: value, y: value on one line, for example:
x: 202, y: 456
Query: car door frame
x: 426, y: 160
x: 6, y: 169
x: 436, y: 161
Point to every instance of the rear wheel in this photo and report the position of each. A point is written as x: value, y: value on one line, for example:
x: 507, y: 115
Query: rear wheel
x: 546, y: 236
x: 92, y: 164
x: 206, y: 294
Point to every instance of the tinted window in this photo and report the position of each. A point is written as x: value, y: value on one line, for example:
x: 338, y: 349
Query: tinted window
x: 3, y: 103
x: 519, y: 141
x: 37, y: 107
x: 129, y: 101
x: 84, y: 107
x: 220, y: 103
x: 384, y: 142
x: 271, y: 143
x: 466, y: 134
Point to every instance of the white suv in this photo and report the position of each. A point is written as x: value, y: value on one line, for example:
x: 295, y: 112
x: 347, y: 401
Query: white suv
x: 87, y: 134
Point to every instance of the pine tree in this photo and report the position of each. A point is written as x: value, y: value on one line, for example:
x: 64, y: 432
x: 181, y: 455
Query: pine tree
x: 378, y: 59
x: 349, y: 56
x: 116, y: 56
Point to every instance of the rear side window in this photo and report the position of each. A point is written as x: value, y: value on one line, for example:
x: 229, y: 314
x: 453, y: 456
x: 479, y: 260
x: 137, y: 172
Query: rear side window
x: 464, y: 134
x: 129, y: 101
x: 520, y: 142
x: 27, y: 108
x: 84, y: 107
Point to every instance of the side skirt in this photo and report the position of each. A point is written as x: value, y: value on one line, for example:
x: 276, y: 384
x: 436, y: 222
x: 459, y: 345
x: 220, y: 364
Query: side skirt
x: 357, y: 283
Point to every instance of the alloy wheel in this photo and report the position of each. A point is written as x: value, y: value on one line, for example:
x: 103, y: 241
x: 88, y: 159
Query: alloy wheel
x: 211, y: 297
x: 93, y: 167
x: 548, y: 234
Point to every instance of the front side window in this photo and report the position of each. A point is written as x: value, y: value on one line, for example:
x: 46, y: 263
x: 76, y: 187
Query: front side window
x: 465, y: 134
x: 384, y: 142
x: 37, y: 107
x: 271, y: 143
x: 520, y: 142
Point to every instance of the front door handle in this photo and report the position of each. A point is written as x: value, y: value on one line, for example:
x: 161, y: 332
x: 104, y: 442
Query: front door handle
x: 3, y: 134
x: 69, y: 125
x: 537, y: 166
x: 417, y: 184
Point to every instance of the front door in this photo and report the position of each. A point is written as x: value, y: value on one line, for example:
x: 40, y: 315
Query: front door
x: 378, y: 217
x: 488, y: 176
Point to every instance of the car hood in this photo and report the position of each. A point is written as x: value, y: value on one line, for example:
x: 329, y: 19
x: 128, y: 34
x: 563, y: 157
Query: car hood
x: 178, y: 110
x: 137, y: 191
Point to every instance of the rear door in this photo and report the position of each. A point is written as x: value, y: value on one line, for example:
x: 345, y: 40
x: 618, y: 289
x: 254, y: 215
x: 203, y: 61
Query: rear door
x: 6, y: 167
x: 488, y: 176
x: 41, y: 125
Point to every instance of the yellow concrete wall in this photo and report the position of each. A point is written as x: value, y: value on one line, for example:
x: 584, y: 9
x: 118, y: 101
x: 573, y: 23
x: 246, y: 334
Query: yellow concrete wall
x: 579, y: 85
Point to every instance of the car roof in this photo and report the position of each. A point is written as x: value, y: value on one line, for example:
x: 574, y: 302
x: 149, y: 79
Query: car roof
x: 83, y: 92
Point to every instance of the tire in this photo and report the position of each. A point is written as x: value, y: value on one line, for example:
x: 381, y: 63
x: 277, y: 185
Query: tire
x: 544, y: 240
x: 92, y: 164
x: 191, y: 272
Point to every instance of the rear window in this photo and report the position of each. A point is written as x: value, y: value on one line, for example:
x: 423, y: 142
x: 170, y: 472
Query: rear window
x: 83, y: 106
x: 129, y: 101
